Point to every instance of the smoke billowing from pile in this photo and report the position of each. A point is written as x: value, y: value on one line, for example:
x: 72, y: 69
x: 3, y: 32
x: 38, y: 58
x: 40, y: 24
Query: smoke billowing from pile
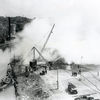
x: 70, y: 38
x: 35, y: 35
x: 77, y: 30
x: 65, y: 41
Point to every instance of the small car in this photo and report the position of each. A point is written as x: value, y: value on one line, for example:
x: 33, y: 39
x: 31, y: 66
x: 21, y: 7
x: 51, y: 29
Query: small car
x: 81, y: 98
x: 90, y: 98
x: 71, y: 89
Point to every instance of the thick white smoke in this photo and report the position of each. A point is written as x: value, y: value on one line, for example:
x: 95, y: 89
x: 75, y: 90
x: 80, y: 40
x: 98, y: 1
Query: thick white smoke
x: 69, y: 37
x: 76, y: 32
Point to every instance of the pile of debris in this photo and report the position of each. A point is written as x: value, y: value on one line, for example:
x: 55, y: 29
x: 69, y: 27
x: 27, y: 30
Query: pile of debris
x: 32, y: 88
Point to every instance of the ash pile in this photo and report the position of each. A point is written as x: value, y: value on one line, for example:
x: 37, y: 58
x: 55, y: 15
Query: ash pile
x: 27, y: 83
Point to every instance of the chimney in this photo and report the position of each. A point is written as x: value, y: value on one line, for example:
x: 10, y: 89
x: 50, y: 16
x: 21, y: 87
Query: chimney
x: 9, y: 28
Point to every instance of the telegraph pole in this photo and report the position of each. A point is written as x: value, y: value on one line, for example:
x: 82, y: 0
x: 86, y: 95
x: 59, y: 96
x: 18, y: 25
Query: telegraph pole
x: 57, y: 78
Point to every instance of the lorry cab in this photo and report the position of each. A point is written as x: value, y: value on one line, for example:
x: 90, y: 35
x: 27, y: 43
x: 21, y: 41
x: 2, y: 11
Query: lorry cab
x: 71, y: 89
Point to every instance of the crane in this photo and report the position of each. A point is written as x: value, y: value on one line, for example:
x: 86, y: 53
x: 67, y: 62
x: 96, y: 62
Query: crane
x: 33, y: 63
x: 51, y: 31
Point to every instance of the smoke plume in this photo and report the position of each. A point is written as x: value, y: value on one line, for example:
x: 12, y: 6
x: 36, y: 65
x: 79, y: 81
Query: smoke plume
x: 76, y: 31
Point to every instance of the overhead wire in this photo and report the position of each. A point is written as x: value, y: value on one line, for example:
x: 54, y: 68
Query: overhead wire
x: 91, y: 83
x: 86, y: 85
x: 92, y: 74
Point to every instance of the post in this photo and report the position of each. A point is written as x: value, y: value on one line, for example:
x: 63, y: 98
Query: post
x: 57, y: 79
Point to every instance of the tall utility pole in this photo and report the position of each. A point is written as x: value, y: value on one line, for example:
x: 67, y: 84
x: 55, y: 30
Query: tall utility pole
x: 57, y: 78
